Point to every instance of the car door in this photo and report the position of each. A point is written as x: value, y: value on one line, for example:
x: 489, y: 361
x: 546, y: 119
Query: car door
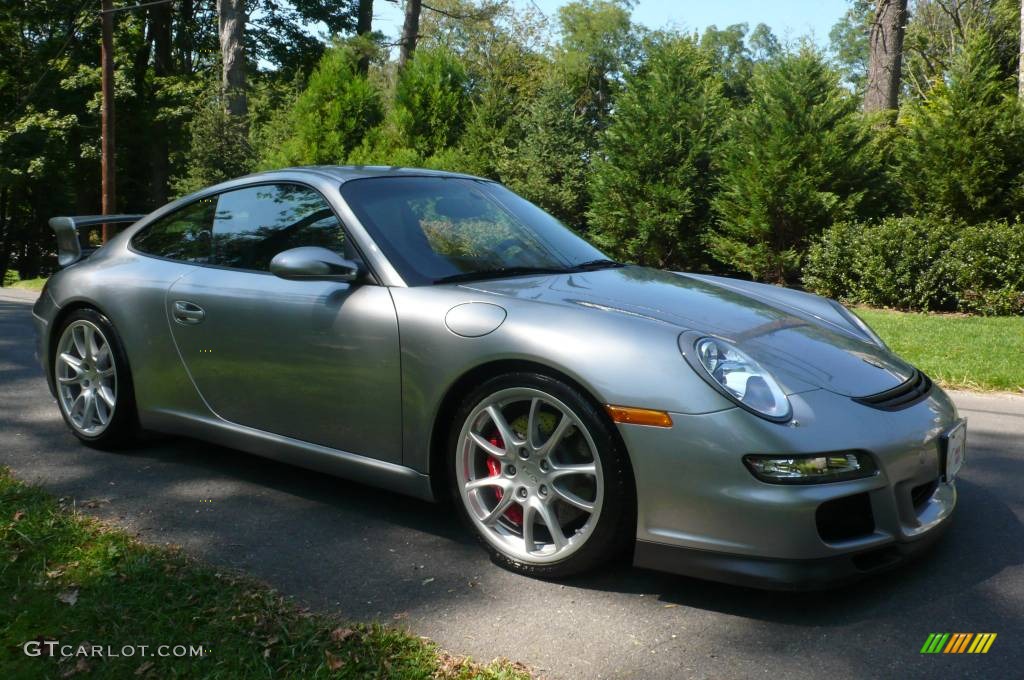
x: 316, y: 361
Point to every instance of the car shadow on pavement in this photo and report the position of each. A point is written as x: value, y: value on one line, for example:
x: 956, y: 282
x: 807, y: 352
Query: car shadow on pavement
x: 984, y: 538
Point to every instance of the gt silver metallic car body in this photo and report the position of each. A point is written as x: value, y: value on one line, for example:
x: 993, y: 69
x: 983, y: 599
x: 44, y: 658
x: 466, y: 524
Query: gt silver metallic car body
x: 360, y: 379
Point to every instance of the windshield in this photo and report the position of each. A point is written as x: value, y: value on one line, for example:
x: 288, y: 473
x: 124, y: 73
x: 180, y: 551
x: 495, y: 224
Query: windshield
x: 440, y: 229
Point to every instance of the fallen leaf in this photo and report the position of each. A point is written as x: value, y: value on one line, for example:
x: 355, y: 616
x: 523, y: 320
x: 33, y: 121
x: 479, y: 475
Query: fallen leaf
x: 81, y: 666
x: 141, y: 670
x: 669, y: 606
x: 69, y: 597
x: 428, y: 580
x: 333, y: 662
x: 342, y: 634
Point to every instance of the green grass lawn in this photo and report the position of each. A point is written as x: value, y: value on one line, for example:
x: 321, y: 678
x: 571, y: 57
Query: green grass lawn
x: 968, y: 352
x: 67, y: 578
x: 30, y: 284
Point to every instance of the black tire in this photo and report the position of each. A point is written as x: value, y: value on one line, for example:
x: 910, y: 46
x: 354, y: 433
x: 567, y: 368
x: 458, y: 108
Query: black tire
x: 615, y: 530
x: 123, y: 427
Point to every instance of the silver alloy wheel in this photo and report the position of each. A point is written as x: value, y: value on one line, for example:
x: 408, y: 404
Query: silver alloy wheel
x: 86, y: 377
x: 523, y: 448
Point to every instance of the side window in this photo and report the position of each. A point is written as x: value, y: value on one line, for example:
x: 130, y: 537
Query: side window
x: 253, y: 225
x: 182, y: 235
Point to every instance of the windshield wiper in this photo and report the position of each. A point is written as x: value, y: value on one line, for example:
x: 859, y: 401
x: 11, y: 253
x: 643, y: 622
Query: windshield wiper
x: 600, y: 263
x: 497, y: 273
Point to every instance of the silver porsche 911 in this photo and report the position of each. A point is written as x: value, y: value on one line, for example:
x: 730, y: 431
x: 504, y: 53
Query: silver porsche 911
x: 438, y: 335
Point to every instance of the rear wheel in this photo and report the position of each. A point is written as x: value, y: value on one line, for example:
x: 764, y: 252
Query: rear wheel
x: 541, y: 476
x: 93, y: 382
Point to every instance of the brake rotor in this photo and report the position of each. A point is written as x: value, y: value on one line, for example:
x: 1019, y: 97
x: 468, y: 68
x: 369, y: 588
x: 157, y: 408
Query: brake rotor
x: 515, y: 511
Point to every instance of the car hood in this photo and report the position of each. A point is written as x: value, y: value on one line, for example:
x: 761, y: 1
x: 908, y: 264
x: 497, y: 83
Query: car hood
x: 802, y: 350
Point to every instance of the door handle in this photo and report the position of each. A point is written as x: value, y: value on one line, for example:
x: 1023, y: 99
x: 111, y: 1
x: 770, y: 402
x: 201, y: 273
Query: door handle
x: 187, y: 312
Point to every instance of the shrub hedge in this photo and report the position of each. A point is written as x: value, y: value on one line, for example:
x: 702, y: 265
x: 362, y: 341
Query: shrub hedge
x: 11, y: 277
x: 921, y: 263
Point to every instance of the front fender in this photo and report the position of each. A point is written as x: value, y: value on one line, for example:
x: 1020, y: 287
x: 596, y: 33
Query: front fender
x: 618, y: 359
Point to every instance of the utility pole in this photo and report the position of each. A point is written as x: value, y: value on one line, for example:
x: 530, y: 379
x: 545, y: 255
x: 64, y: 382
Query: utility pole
x: 108, y: 161
x: 108, y: 154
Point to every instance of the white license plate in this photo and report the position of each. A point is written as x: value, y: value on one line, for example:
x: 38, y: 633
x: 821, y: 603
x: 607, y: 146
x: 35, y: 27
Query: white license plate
x: 956, y: 449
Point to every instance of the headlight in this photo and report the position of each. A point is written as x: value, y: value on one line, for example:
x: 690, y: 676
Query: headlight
x: 858, y: 323
x: 742, y: 379
x: 813, y: 469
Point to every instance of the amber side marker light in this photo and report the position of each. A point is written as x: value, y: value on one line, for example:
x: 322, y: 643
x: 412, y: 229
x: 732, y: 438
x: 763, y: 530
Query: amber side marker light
x: 639, y: 416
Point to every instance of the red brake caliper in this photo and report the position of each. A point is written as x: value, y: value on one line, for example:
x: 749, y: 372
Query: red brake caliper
x: 515, y: 511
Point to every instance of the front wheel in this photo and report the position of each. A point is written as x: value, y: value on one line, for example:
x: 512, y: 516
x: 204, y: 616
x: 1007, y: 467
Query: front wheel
x: 541, y: 476
x: 93, y: 382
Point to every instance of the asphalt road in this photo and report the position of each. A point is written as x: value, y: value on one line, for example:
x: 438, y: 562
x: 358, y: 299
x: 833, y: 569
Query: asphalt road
x: 372, y: 555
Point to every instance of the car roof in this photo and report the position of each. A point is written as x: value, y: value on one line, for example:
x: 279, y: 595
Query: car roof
x: 345, y: 173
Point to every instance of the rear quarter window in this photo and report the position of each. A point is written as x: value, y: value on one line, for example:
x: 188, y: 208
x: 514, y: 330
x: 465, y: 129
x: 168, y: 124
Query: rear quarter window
x: 183, y: 235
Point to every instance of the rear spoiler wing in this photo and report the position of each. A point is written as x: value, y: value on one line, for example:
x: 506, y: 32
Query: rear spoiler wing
x: 69, y: 242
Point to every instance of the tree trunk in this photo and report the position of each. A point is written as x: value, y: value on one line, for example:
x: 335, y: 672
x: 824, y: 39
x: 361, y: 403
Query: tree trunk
x: 232, y: 24
x: 186, y: 19
x: 163, y: 66
x: 410, y: 32
x: 1020, y: 58
x: 364, y: 26
x: 885, y: 60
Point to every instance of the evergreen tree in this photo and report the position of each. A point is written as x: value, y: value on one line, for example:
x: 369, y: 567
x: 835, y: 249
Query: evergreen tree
x: 938, y: 30
x: 961, y: 154
x: 427, y: 115
x: 549, y: 165
x: 599, y: 45
x: 733, y: 51
x: 219, y: 149
x: 652, y: 181
x: 431, y: 100
x: 798, y: 159
x: 331, y: 116
x: 848, y: 43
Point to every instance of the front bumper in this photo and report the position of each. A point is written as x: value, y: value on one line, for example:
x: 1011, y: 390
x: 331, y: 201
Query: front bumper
x: 775, y: 574
x: 702, y: 513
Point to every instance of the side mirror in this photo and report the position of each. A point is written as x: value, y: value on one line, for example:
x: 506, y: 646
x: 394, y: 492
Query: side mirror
x: 311, y: 263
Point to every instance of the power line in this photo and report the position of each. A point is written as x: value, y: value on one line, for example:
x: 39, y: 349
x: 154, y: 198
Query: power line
x: 129, y: 8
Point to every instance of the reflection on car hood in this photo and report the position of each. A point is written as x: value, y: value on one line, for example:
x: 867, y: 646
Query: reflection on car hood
x: 802, y: 351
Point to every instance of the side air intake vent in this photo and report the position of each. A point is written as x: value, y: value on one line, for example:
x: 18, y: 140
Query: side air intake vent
x: 902, y: 396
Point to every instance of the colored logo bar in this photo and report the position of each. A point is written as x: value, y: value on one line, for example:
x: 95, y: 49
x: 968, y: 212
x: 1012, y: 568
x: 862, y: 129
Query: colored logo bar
x: 958, y: 643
